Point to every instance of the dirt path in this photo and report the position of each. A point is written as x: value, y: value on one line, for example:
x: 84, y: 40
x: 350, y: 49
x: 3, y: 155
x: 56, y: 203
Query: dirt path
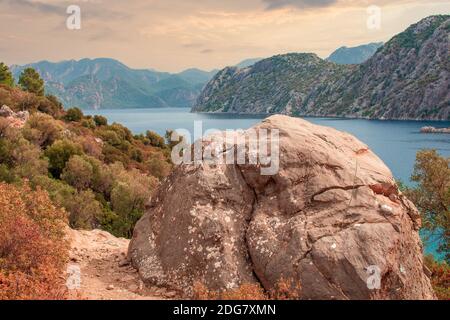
x: 98, y: 260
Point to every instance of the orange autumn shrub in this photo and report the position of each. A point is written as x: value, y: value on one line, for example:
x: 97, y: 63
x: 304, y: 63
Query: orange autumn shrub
x: 440, y: 277
x: 33, y: 249
x: 246, y: 291
x: 284, y: 290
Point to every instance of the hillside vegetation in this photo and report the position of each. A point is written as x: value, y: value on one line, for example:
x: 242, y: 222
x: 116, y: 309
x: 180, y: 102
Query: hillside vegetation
x: 100, y: 173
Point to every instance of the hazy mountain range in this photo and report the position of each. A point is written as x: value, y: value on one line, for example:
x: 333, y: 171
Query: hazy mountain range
x: 407, y: 78
x: 101, y: 83
x: 355, y: 55
x: 108, y: 83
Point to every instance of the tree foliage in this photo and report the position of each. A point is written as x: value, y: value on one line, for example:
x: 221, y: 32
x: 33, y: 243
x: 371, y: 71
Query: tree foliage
x: 440, y: 277
x: 78, y: 173
x: 31, y: 81
x: 59, y: 153
x: 6, y: 76
x: 432, y: 196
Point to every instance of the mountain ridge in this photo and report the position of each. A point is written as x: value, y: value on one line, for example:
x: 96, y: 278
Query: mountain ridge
x: 354, y: 55
x: 105, y: 82
x: 407, y: 78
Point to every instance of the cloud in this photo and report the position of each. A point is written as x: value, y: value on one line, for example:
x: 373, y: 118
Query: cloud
x: 89, y: 9
x: 192, y: 45
x: 302, y: 4
x: 37, y: 5
x: 210, y: 33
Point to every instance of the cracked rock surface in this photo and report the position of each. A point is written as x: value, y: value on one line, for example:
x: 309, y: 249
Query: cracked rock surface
x: 329, y: 215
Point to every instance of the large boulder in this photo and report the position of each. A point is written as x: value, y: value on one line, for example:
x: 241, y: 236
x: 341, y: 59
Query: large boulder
x: 331, y: 219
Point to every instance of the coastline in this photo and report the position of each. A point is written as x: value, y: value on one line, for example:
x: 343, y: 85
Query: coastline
x: 320, y: 116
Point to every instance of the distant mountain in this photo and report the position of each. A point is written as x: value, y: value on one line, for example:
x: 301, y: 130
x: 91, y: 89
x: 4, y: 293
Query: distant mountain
x: 248, y: 62
x: 272, y: 85
x: 407, y: 78
x: 354, y: 55
x: 197, y: 76
x: 108, y: 83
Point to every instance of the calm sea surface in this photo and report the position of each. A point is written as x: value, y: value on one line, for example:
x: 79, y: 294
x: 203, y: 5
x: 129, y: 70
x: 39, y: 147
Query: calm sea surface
x: 395, y: 142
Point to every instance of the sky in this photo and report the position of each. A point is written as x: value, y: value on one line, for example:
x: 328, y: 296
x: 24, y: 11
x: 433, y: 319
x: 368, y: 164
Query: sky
x: 173, y: 35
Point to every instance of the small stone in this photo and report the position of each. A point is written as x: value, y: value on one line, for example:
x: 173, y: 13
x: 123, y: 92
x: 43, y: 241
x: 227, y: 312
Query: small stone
x: 393, y: 197
x: 386, y: 209
x: 402, y: 269
x: 110, y: 287
x: 124, y: 263
x: 171, y: 294
x: 133, y: 288
x: 127, y: 278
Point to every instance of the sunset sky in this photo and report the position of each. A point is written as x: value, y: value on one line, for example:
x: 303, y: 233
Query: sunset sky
x: 172, y: 35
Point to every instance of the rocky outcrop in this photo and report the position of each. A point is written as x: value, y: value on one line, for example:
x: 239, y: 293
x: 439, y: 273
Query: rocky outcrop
x: 15, y: 119
x: 434, y: 130
x: 407, y: 78
x: 330, y: 219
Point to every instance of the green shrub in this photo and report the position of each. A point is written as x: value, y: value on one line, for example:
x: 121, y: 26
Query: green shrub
x: 59, y: 153
x: 42, y: 129
x: 129, y: 194
x: 155, y: 140
x: 432, y: 195
x: 51, y: 106
x: 85, y: 211
x: 6, y: 152
x: 28, y: 161
x: 158, y: 166
x: 78, y: 173
x: 74, y: 115
x: 88, y: 123
x: 100, y: 121
x: 440, y: 277
x: 6, y: 175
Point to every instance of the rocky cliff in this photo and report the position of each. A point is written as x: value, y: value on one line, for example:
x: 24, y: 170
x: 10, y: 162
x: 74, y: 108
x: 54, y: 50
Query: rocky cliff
x: 407, y: 78
x: 331, y: 219
x: 275, y: 85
